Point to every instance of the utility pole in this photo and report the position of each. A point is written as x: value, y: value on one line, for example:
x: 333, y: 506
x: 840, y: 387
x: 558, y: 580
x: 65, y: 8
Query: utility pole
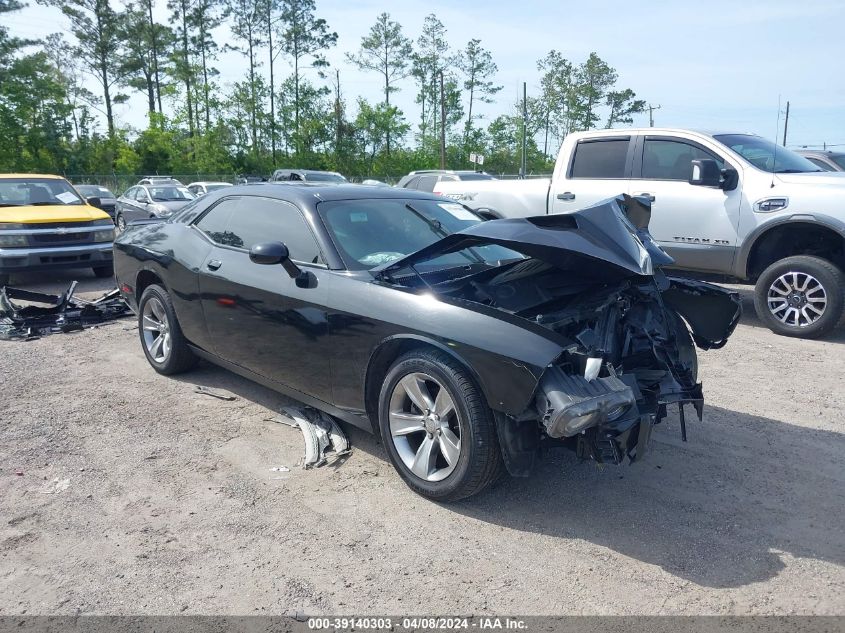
x: 442, y: 124
x: 786, y: 124
x: 337, y: 113
x: 524, y: 166
x: 651, y: 110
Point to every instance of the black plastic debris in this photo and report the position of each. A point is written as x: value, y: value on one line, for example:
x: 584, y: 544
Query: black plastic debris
x: 26, y: 315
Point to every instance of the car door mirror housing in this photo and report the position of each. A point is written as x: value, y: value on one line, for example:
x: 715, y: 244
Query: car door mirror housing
x: 274, y: 253
x: 705, y: 173
x: 269, y: 253
x: 94, y: 201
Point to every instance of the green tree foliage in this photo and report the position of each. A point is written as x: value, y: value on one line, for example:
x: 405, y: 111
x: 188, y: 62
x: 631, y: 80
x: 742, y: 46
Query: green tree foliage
x: 387, y: 51
x: 303, y: 36
x: 477, y: 65
x: 97, y: 29
x: 53, y: 99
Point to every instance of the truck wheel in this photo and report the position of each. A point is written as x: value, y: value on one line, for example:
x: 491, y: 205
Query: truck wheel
x: 800, y: 296
x: 437, y: 428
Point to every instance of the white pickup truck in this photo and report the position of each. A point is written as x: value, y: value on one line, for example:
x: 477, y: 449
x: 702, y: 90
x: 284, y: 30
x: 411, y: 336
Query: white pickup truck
x: 728, y: 204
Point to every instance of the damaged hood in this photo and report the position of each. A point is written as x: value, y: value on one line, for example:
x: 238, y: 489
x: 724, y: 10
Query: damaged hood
x: 613, y: 232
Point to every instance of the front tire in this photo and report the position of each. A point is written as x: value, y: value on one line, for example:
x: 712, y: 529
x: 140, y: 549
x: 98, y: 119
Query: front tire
x: 120, y: 222
x: 437, y: 428
x: 162, y: 340
x: 800, y: 296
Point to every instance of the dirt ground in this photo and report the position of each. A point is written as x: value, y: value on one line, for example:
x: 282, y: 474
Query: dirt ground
x: 139, y: 496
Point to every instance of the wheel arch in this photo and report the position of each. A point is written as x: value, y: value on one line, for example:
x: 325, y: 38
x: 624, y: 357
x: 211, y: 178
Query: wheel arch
x: 386, y: 353
x: 144, y: 279
x: 795, y: 235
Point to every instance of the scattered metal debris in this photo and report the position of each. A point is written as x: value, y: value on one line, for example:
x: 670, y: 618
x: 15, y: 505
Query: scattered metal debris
x: 324, y: 439
x: 44, y: 314
x: 214, y: 394
x: 280, y: 469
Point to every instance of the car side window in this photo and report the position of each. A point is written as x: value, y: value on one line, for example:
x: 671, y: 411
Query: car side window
x: 426, y: 183
x: 412, y: 183
x: 129, y: 194
x: 604, y: 159
x: 141, y: 195
x: 250, y: 220
x: 670, y: 159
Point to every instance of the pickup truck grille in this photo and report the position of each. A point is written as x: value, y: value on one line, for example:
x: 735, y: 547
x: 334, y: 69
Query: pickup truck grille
x: 60, y: 238
x: 59, y: 225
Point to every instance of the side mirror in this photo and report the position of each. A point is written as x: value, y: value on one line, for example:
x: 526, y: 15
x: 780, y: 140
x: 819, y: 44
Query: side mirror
x: 94, y: 201
x: 273, y: 253
x: 730, y: 178
x: 705, y: 173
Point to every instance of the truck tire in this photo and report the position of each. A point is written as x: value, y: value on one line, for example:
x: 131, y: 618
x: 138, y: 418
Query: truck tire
x: 800, y: 296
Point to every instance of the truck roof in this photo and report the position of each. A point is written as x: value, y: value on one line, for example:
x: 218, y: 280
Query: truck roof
x: 657, y: 130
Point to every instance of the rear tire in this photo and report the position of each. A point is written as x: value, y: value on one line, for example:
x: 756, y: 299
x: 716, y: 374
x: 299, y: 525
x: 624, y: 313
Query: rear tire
x: 162, y: 340
x: 120, y: 222
x: 421, y: 440
x: 800, y: 296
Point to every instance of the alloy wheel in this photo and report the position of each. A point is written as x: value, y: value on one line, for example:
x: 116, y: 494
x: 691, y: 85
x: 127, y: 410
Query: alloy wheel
x: 121, y: 223
x: 797, y: 299
x: 156, y: 330
x: 425, y: 426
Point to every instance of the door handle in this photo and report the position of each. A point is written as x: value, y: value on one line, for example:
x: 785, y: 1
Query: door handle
x: 566, y: 195
x: 648, y: 196
x: 213, y: 264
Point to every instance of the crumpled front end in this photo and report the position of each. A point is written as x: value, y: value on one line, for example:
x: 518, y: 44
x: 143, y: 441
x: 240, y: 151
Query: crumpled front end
x: 634, y: 356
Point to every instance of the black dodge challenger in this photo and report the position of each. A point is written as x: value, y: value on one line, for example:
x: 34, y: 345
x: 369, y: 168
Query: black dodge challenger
x: 464, y: 343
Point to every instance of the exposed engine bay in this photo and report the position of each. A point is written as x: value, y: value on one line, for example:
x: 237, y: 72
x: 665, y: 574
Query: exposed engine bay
x: 628, y: 334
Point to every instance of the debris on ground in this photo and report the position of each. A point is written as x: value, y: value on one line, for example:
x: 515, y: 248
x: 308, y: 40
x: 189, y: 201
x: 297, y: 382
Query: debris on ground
x: 214, y: 393
x: 325, y: 441
x: 43, y: 314
x: 280, y: 469
x: 55, y: 487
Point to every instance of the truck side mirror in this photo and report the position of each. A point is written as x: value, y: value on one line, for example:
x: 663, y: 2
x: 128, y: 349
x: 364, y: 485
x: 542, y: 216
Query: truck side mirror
x: 705, y: 173
x: 730, y: 178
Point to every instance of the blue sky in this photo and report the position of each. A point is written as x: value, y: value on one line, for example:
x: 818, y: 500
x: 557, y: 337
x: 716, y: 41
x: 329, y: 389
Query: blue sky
x: 715, y: 65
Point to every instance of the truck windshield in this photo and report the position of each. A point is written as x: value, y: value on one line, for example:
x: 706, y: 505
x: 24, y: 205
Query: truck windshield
x: 766, y: 155
x: 32, y: 191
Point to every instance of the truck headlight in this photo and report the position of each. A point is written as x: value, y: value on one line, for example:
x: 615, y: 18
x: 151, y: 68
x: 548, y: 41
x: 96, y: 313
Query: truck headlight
x: 104, y: 235
x: 13, y: 240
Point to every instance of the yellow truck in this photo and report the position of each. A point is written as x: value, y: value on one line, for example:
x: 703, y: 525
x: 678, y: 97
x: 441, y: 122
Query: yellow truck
x: 46, y: 224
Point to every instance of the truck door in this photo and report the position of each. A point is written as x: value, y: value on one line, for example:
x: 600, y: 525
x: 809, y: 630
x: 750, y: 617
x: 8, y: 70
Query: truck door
x: 696, y: 225
x: 598, y: 168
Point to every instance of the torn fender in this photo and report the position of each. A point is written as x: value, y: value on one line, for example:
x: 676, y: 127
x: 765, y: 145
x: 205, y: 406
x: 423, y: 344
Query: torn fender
x: 711, y: 312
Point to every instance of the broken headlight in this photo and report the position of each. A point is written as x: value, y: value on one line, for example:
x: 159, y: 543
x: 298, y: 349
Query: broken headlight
x: 570, y: 404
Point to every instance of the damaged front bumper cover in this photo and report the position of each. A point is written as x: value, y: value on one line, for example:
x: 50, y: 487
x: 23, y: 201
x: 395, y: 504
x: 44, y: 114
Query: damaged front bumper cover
x: 43, y: 313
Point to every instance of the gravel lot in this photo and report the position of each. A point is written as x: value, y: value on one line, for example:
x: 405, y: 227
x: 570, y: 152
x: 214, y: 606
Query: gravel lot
x: 139, y: 496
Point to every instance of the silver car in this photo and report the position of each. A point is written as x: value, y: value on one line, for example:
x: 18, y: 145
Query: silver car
x: 150, y: 201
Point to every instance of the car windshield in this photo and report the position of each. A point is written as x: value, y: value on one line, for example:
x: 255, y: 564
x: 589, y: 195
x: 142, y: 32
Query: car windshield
x: 323, y: 177
x: 766, y: 155
x: 170, y: 194
x: 22, y: 192
x: 372, y: 232
x: 839, y: 159
x: 94, y: 190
